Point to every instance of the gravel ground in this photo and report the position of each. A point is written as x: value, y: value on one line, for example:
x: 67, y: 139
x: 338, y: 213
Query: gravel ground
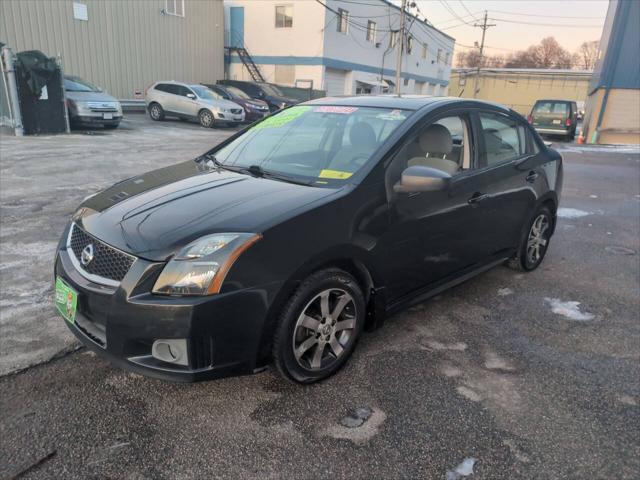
x: 508, y: 376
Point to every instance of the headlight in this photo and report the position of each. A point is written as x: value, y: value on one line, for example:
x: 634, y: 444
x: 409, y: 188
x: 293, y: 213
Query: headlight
x: 200, y: 267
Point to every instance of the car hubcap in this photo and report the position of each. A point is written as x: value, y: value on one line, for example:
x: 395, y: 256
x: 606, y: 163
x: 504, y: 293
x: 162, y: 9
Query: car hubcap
x: 155, y: 111
x: 324, y: 329
x: 205, y: 118
x: 537, y: 241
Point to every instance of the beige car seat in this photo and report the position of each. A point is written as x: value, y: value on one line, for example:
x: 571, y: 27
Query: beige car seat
x: 436, y: 143
x: 363, y: 141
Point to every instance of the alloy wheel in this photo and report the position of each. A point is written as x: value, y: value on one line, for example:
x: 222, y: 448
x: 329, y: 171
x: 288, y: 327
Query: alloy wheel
x: 324, y: 329
x: 155, y: 112
x: 206, y: 119
x: 538, y: 239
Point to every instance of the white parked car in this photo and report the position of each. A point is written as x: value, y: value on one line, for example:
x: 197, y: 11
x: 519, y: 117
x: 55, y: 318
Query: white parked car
x: 191, y: 102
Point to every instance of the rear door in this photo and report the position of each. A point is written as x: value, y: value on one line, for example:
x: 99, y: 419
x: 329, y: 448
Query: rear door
x: 509, y: 170
x: 170, y: 100
x: 184, y: 104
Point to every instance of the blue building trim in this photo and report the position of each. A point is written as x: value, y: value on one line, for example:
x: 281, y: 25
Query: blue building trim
x: 333, y: 63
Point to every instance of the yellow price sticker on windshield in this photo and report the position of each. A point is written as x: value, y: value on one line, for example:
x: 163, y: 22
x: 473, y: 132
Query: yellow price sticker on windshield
x: 334, y: 174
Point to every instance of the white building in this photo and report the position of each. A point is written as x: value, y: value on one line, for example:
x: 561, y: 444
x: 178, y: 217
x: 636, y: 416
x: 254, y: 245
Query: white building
x: 339, y: 46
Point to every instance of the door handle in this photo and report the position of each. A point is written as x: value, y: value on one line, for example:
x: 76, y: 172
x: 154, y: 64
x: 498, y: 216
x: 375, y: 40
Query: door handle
x: 532, y: 177
x: 477, y: 197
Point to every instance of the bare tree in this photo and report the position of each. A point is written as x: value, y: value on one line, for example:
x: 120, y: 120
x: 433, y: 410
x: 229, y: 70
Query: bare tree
x: 547, y: 54
x: 587, y: 55
x: 471, y: 59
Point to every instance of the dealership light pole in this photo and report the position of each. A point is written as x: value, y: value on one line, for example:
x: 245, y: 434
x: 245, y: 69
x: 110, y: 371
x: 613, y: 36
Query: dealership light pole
x: 400, y: 47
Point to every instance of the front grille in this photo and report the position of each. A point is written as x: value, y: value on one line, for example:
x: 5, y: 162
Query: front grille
x: 108, y: 262
x: 102, y: 106
x: 236, y: 111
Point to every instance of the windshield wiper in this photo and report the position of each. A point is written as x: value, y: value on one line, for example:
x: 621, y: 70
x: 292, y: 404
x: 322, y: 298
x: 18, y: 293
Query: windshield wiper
x: 258, y: 171
x: 211, y: 161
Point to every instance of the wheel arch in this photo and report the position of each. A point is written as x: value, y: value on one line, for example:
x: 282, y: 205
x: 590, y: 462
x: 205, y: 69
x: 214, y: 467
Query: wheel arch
x: 354, y: 261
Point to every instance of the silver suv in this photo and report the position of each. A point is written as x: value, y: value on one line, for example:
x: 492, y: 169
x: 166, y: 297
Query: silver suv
x: 191, y: 102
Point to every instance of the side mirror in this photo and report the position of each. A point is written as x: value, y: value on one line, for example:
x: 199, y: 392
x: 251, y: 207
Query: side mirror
x: 419, y: 178
x: 191, y: 96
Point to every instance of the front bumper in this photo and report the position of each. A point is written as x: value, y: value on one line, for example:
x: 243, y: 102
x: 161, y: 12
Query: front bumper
x: 223, y: 332
x: 96, y: 119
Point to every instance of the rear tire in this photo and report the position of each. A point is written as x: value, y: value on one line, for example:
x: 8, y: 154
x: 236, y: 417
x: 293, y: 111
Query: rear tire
x: 156, y: 112
x: 535, y: 242
x: 319, y: 326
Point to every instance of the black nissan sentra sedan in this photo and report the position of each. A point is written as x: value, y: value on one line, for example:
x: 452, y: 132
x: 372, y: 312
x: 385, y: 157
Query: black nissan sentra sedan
x: 289, y: 239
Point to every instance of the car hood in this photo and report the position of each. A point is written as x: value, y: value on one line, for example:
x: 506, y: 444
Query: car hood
x: 155, y: 214
x: 287, y: 100
x: 221, y: 103
x: 90, y: 96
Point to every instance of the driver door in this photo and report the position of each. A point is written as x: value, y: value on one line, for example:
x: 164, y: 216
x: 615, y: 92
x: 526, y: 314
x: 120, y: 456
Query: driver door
x: 433, y: 235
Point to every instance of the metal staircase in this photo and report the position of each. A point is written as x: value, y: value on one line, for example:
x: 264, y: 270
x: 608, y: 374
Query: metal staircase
x: 248, y: 62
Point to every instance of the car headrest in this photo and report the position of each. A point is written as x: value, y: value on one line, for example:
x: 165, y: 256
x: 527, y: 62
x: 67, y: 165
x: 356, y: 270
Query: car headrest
x: 362, y: 135
x: 436, y: 139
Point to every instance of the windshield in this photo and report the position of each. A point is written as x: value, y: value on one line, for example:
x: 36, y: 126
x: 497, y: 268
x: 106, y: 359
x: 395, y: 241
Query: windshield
x: 77, y: 84
x: 204, y: 92
x: 271, y: 89
x: 236, y: 92
x: 321, y: 145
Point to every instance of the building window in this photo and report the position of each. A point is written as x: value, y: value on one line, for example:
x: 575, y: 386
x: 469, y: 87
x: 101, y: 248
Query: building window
x: 175, y: 7
x: 284, y: 16
x: 343, y: 21
x: 447, y: 58
x: 409, y: 44
x: 406, y: 82
x: 393, y: 39
x: 285, y: 74
x: 425, y: 48
x: 371, y: 31
x: 439, y: 56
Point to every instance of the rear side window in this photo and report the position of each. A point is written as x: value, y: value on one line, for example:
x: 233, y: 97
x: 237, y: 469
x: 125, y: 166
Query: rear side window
x: 556, y: 108
x: 504, y: 139
x: 167, y: 88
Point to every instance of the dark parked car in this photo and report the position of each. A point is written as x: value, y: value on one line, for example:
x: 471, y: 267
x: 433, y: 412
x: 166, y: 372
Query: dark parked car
x: 90, y: 106
x: 555, y: 117
x: 253, y: 109
x: 288, y: 239
x: 263, y: 91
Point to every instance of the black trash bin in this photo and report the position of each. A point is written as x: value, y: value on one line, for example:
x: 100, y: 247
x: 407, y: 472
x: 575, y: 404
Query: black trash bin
x: 40, y: 93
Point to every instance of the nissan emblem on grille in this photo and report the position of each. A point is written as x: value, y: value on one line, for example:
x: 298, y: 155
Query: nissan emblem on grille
x: 87, y: 255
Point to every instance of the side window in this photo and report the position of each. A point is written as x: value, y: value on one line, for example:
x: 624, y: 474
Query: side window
x: 443, y: 145
x: 503, y: 139
x: 182, y: 90
x: 162, y: 87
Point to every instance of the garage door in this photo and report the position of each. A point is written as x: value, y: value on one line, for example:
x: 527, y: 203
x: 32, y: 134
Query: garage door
x: 334, y: 81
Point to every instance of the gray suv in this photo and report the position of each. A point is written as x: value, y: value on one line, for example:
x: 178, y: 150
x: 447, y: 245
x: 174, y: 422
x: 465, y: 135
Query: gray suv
x: 191, y: 102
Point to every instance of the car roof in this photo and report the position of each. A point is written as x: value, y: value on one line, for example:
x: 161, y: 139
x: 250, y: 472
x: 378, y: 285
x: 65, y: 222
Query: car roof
x: 404, y: 102
x: 557, y: 100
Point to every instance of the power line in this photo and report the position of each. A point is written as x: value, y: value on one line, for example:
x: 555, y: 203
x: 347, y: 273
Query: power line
x: 468, y: 11
x: 569, y: 25
x: 543, y: 16
x: 452, y: 11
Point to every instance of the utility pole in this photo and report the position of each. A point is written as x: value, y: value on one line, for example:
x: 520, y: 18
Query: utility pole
x: 400, y: 45
x: 484, y: 25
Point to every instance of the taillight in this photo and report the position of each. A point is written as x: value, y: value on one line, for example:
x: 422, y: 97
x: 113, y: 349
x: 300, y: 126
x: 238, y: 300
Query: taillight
x: 568, y: 122
x: 530, y: 118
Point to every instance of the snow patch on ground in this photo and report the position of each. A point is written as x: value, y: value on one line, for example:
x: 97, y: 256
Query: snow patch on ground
x: 503, y: 292
x: 463, y: 470
x: 568, y: 309
x: 571, y: 213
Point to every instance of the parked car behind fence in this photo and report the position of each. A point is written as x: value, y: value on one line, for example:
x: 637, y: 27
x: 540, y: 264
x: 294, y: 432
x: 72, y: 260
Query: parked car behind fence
x: 191, y: 102
x: 263, y: 91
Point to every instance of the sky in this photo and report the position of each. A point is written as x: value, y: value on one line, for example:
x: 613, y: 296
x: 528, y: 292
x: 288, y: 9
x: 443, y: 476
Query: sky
x: 571, y: 30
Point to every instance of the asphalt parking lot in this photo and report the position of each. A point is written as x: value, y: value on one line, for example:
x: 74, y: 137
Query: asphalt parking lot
x: 508, y: 376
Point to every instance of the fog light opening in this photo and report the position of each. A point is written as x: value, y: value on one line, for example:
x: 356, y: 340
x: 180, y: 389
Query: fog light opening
x: 171, y: 351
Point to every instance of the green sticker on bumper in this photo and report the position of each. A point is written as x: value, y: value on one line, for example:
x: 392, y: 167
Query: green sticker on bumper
x: 66, y: 300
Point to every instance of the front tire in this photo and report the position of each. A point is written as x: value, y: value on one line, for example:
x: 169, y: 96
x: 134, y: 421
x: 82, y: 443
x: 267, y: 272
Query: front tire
x: 319, y: 326
x: 535, y: 241
x: 206, y: 118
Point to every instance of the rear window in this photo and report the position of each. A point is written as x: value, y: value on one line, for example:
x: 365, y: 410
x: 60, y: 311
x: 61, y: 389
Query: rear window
x: 556, y: 108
